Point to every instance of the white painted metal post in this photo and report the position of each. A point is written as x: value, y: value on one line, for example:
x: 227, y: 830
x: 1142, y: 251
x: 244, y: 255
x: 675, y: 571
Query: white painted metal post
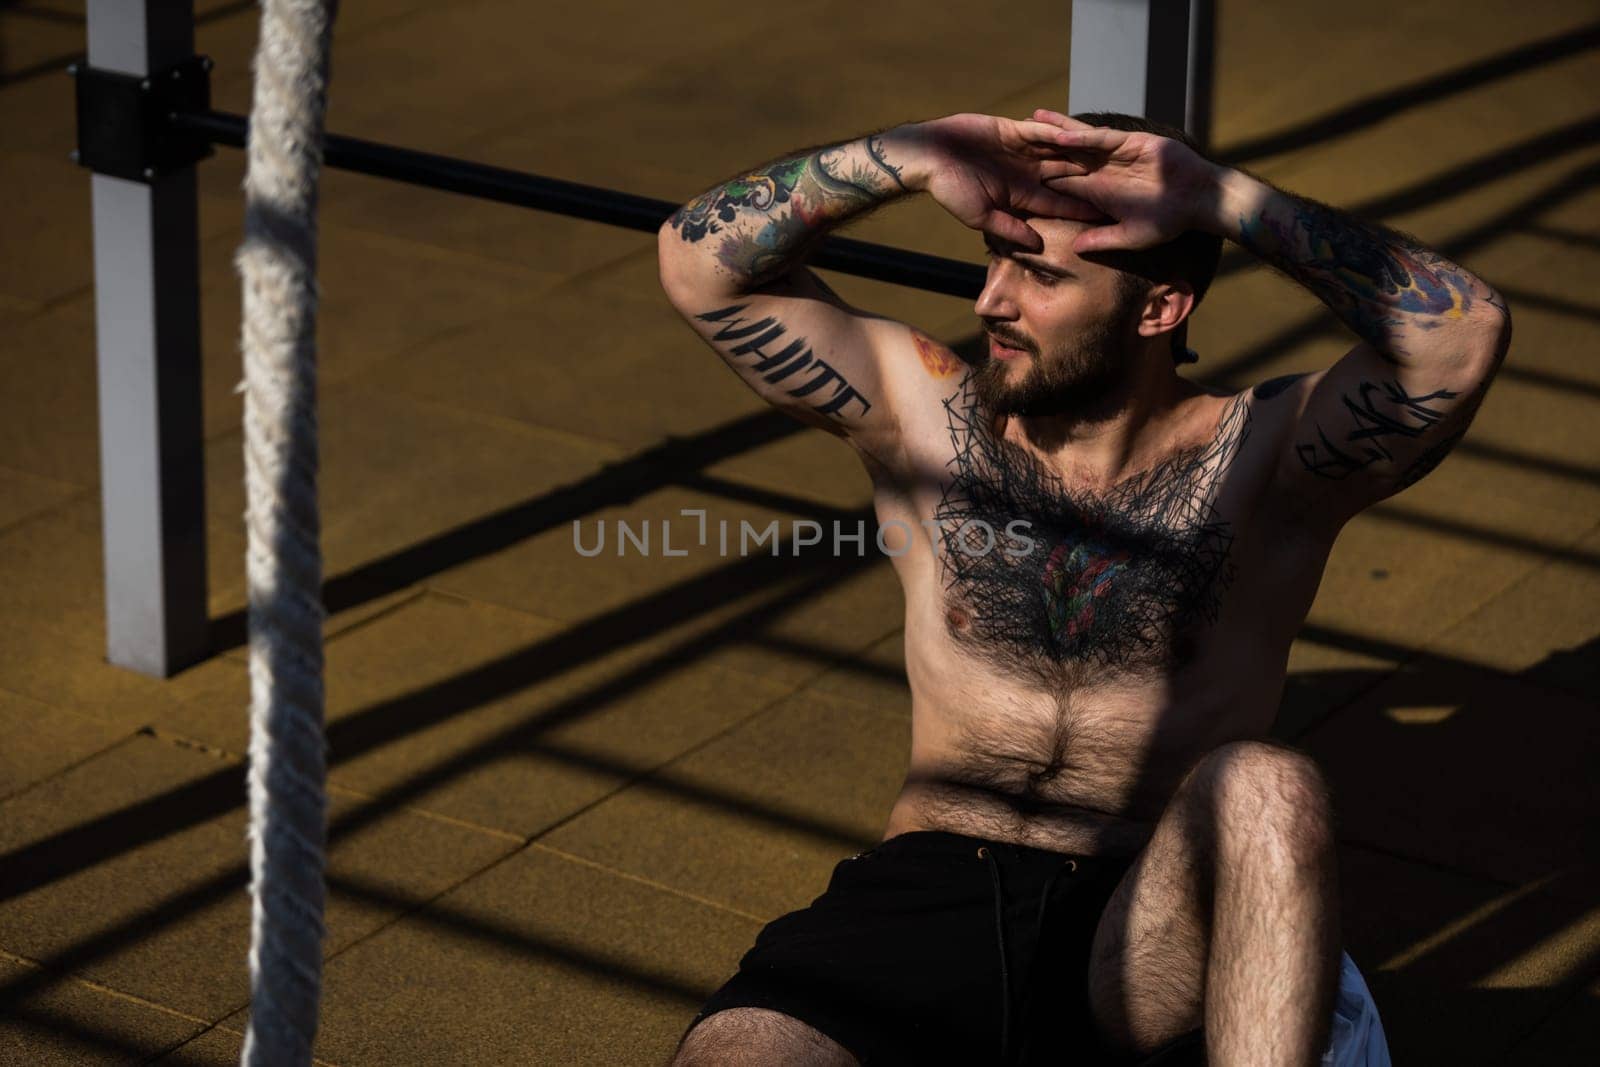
x: 1143, y: 57
x: 1202, y: 65
x: 147, y: 330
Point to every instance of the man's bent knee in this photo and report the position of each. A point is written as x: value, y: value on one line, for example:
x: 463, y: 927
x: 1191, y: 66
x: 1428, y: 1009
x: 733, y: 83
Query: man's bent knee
x: 1257, y: 791
x: 734, y: 1037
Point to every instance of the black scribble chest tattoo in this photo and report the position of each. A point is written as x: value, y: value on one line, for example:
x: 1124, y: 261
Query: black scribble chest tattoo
x: 1118, y: 581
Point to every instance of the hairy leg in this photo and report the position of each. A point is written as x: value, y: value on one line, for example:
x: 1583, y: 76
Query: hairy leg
x: 758, y: 1037
x: 1228, y: 919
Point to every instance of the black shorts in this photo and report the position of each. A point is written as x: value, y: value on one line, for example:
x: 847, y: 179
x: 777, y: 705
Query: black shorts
x: 904, y: 958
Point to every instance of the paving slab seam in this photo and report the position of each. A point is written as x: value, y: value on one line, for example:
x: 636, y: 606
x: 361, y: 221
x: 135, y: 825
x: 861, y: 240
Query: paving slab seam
x: 1422, y: 654
x: 774, y: 587
x: 735, y: 670
x: 807, y: 683
x: 1427, y: 89
x: 359, y: 384
x: 482, y: 259
x: 49, y: 510
x: 635, y: 775
x: 855, y: 666
x: 463, y: 599
x: 1558, y: 380
x: 20, y: 694
x: 1456, y: 927
x: 1573, y: 239
x: 334, y: 787
x: 831, y: 697
x: 446, y: 253
x: 354, y: 33
x: 1549, y: 466
x: 1303, y: 165
x: 824, y: 670
x: 1427, y: 649
x: 353, y: 379
x: 383, y: 23
x: 331, y: 632
x: 836, y: 834
x: 1516, y: 543
x: 641, y: 880
x: 1541, y: 687
x: 6, y: 468
x: 1521, y: 298
x: 181, y: 741
x: 1057, y: 80
x: 36, y: 308
x: 164, y: 1053
x: 1526, y: 576
x: 1548, y: 963
x: 1511, y: 1058
x: 1299, y: 735
x: 1379, y: 648
x: 401, y: 914
x: 770, y: 491
x: 611, y: 450
x: 1427, y: 192
x: 413, y: 594
x: 496, y: 934
x: 6, y: 798
x: 102, y: 988
x: 589, y: 274
x: 20, y: 306
x: 1418, y: 861
x: 656, y: 769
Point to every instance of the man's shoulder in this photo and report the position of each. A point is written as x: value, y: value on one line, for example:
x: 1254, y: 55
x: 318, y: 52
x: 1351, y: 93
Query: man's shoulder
x: 1273, y: 409
x: 923, y: 379
x: 1232, y: 439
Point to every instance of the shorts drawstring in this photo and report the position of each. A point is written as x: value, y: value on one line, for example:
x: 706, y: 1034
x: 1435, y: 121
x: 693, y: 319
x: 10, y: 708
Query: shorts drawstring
x: 1000, y: 938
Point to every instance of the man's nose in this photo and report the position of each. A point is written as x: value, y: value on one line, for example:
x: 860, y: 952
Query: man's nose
x: 995, y: 300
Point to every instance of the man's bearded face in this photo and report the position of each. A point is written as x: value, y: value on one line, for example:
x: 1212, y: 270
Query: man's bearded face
x: 1071, y: 374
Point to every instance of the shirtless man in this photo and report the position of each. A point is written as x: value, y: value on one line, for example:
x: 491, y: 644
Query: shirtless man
x: 1104, y: 565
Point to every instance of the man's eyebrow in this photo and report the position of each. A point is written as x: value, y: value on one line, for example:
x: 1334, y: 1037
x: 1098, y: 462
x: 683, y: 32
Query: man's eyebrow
x: 1042, y: 265
x: 1028, y: 259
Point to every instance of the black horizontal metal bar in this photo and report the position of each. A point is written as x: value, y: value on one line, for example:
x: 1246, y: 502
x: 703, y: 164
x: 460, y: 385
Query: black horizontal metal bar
x: 902, y: 267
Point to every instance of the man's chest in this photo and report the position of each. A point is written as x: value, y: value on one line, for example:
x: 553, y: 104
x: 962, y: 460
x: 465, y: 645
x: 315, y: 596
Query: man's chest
x: 1039, y: 577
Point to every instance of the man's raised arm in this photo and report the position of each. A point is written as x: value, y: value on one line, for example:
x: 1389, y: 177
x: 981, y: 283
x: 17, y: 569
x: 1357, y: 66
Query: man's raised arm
x: 1432, y: 337
x: 732, y: 259
x: 1433, y: 334
x: 732, y: 264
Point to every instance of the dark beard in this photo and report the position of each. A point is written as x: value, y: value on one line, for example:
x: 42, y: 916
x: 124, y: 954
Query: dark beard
x: 1080, y: 379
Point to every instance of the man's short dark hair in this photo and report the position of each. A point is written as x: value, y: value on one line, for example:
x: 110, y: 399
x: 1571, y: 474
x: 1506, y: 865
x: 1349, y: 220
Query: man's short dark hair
x: 1191, y: 257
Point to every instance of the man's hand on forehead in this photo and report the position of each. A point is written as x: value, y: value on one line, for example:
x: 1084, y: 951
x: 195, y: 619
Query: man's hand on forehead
x: 994, y: 173
x: 1153, y: 187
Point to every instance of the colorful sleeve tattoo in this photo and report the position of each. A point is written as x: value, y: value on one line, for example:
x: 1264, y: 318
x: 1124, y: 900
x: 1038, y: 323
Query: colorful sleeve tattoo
x: 1385, y: 285
x: 763, y: 222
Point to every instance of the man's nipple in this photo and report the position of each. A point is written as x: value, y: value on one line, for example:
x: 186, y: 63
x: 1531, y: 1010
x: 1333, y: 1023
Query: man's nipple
x: 959, y: 618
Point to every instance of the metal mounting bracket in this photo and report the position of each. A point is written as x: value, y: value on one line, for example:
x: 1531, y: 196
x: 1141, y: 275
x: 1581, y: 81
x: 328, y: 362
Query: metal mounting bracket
x: 123, y: 127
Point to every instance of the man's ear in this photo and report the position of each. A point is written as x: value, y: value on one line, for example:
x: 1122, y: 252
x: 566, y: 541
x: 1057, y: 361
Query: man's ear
x: 1165, y: 306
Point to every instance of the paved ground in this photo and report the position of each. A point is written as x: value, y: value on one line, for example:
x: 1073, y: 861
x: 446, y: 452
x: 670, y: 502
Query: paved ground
x: 567, y: 793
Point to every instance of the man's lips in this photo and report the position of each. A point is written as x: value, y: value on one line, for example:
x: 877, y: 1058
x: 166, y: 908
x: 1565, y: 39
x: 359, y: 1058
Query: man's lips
x: 998, y: 349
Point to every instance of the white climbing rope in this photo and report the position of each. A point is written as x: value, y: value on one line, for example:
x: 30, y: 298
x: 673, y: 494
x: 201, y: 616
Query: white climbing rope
x: 288, y: 765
